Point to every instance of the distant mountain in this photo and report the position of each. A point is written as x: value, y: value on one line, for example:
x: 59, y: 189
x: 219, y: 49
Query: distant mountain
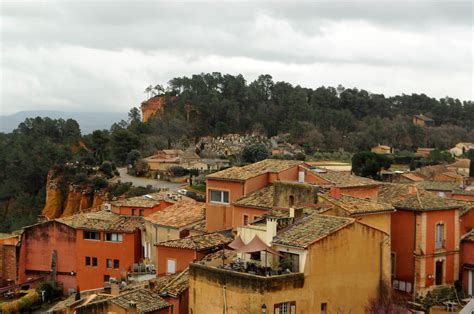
x: 88, y: 121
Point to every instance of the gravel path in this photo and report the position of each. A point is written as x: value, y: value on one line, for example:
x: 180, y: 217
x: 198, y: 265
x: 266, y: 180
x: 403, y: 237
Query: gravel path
x: 138, y: 181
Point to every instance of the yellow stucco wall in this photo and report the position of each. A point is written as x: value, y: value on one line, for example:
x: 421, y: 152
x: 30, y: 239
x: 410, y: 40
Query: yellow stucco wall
x: 341, y: 270
x: 377, y: 221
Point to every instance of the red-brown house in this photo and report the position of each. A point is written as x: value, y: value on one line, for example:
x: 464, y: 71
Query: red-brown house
x: 83, y: 250
x: 425, y: 238
x: 143, y: 205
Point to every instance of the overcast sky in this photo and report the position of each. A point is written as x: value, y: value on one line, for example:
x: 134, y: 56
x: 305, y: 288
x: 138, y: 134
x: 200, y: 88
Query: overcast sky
x: 100, y: 55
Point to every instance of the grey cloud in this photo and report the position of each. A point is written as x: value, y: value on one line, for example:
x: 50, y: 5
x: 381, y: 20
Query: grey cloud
x: 78, y: 53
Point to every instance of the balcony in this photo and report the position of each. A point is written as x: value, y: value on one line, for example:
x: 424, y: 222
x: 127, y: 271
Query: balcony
x: 248, y: 279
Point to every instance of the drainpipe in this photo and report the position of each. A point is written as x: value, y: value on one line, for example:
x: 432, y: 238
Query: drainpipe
x: 225, y: 299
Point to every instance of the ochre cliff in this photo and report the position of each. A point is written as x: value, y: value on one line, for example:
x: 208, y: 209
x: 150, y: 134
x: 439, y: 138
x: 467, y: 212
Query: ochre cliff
x: 61, y: 203
x: 154, y: 106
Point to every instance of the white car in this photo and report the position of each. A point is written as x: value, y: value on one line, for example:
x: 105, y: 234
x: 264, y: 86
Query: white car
x: 182, y: 191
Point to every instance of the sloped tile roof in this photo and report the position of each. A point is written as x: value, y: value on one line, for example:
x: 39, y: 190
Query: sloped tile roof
x: 311, y: 229
x: 437, y: 185
x: 356, y: 205
x: 145, y: 201
x: 262, y: 198
x: 255, y: 169
x: 173, y: 285
x: 408, y: 196
x: 198, y: 242
x: 181, y: 214
x: 342, y: 179
x: 413, y: 176
x: 103, y: 221
x: 145, y: 300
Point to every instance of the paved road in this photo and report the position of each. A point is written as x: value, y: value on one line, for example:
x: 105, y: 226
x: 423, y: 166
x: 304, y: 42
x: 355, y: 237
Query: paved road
x: 137, y: 181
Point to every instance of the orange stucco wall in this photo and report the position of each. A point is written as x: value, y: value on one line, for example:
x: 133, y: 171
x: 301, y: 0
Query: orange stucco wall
x: 467, y: 222
x: 239, y: 213
x: 219, y: 216
x: 289, y: 174
x: 312, y: 178
x: 362, y: 192
x: 448, y: 218
x: 182, y: 257
x: 127, y: 252
x: 255, y: 183
x: 147, y: 211
x: 37, y: 245
x: 403, y: 233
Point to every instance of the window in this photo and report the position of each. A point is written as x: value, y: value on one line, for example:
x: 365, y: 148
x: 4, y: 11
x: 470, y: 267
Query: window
x: 393, y: 263
x: 291, y: 201
x: 106, y: 278
x: 170, y: 266
x: 141, y: 212
x: 324, y: 308
x: 246, y: 220
x: 88, y: 261
x: 109, y: 263
x: 113, y: 237
x: 290, y: 261
x: 134, y: 211
x: 218, y: 196
x: 116, y: 264
x: 94, y: 261
x: 439, y: 235
x: 90, y: 235
x: 285, y: 308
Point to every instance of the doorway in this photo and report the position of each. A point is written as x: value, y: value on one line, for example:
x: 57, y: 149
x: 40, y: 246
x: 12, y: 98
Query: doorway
x: 439, y: 273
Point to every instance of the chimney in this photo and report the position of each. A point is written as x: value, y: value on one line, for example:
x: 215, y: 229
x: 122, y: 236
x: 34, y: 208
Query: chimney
x: 133, y: 307
x: 335, y: 192
x: 271, y: 232
x: 301, y: 176
x: 298, y: 213
x: 412, y: 190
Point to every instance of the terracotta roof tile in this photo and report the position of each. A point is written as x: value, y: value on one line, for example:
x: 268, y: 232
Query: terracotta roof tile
x: 413, y: 176
x: 145, y: 300
x: 255, y: 169
x: 173, y: 285
x: 262, y: 198
x: 103, y: 221
x: 437, y: 185
x: 179, y: 215
x: 400, y: 196
x: 311, y: 229
x: 341, y: 178
x: 145, y: 201
x: 198, y: 242
x: 355, y: 205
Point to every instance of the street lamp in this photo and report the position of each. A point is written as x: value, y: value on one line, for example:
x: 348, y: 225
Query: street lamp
x: 264, y: 309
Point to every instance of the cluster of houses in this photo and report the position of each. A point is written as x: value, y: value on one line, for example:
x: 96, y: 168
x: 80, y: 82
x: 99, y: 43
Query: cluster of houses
x: 276, y: 236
